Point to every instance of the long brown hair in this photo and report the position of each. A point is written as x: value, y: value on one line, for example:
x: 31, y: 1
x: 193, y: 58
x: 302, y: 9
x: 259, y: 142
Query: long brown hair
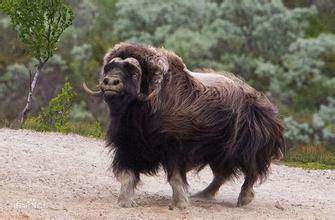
x: 185, y: 123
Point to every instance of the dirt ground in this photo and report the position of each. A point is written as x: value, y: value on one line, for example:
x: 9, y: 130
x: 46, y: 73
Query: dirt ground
x: 55, y: 176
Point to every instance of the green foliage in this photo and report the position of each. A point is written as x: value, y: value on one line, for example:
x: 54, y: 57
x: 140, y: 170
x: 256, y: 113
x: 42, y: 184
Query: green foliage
x: 161, y: 18
x: 82, y: 64
x: 56, y: 115
x: 87, y: 15
x: 324, y: 22
x: 212, y: 34
x: 80, y: 112
x: 179, y: 25
x: 35, y: 123
x: 15, y: 76
x: 320, y: 130
x: 8, y: 41
x: 324, y: 123
x: 297, y: 133
x: 39, y: 23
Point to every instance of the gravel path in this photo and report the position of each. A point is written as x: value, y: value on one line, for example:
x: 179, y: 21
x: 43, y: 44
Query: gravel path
x: 55, y: 176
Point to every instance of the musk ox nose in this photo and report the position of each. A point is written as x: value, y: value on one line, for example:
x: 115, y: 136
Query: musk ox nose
x: 111, y: 81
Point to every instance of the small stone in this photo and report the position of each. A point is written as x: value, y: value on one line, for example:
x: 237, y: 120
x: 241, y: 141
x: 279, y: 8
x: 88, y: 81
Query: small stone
x: 278, y: 206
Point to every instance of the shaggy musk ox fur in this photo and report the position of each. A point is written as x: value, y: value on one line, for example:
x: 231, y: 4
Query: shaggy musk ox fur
x: 180, y: 120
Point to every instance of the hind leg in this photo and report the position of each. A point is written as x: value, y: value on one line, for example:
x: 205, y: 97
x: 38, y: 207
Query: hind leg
x: 209, y: 192
x: 247, y: 193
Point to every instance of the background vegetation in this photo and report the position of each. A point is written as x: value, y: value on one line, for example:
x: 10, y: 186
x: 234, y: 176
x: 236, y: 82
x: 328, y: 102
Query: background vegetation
x: 284, y: 48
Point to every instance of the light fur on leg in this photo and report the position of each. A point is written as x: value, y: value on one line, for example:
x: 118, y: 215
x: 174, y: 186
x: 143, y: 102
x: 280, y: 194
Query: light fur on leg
x: 128, y: 182
x: 179, y: 192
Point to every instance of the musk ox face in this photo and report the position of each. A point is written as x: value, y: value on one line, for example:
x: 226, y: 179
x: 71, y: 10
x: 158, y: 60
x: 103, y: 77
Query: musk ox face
x: 145, y: 66
x: 119, y: 78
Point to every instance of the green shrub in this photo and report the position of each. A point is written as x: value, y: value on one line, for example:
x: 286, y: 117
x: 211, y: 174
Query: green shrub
x: 297, y: 133
x: 80, y: 112
x: 34, y: 123
x: 318, y: 129
x: 55, y: 116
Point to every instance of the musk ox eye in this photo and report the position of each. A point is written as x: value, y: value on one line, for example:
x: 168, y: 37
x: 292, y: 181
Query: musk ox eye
x: 131, y: 67
x: 108, y: 67
x: 131, y: 75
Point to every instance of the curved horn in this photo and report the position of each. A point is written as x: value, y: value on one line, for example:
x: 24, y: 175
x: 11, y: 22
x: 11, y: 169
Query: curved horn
x: 90, y: 92
x: 162, y: 66
x: 156, y: 81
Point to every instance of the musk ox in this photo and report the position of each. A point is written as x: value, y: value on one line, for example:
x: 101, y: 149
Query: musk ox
x: 163, y: 115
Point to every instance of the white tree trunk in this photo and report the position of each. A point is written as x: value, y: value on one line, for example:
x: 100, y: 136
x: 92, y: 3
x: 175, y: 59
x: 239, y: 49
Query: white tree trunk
x: 25, y: 112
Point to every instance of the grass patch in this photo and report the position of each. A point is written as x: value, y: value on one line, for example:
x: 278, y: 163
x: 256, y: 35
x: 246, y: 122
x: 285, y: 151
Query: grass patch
x: 87, y: 129
x: 310, y: 157
x: 310, y: 165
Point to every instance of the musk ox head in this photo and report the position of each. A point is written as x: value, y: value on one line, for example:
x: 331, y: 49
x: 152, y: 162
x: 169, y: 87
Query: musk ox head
x: 128, y: 71
x: 119, y: 78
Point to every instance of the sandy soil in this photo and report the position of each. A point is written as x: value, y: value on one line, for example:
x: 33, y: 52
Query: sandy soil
x: 54, y: 176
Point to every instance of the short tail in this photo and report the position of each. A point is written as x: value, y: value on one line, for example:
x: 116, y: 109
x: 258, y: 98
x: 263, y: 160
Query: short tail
x: 260, y: 137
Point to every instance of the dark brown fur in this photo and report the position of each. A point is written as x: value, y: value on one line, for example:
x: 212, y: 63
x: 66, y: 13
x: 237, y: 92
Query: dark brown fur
x: 190, y: 124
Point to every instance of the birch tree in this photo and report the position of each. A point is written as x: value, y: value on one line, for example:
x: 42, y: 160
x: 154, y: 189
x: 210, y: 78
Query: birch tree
x: 40, y: 24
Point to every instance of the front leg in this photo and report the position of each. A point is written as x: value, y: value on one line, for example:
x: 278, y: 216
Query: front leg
x: 179, y: 191
x: 128, y: 180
